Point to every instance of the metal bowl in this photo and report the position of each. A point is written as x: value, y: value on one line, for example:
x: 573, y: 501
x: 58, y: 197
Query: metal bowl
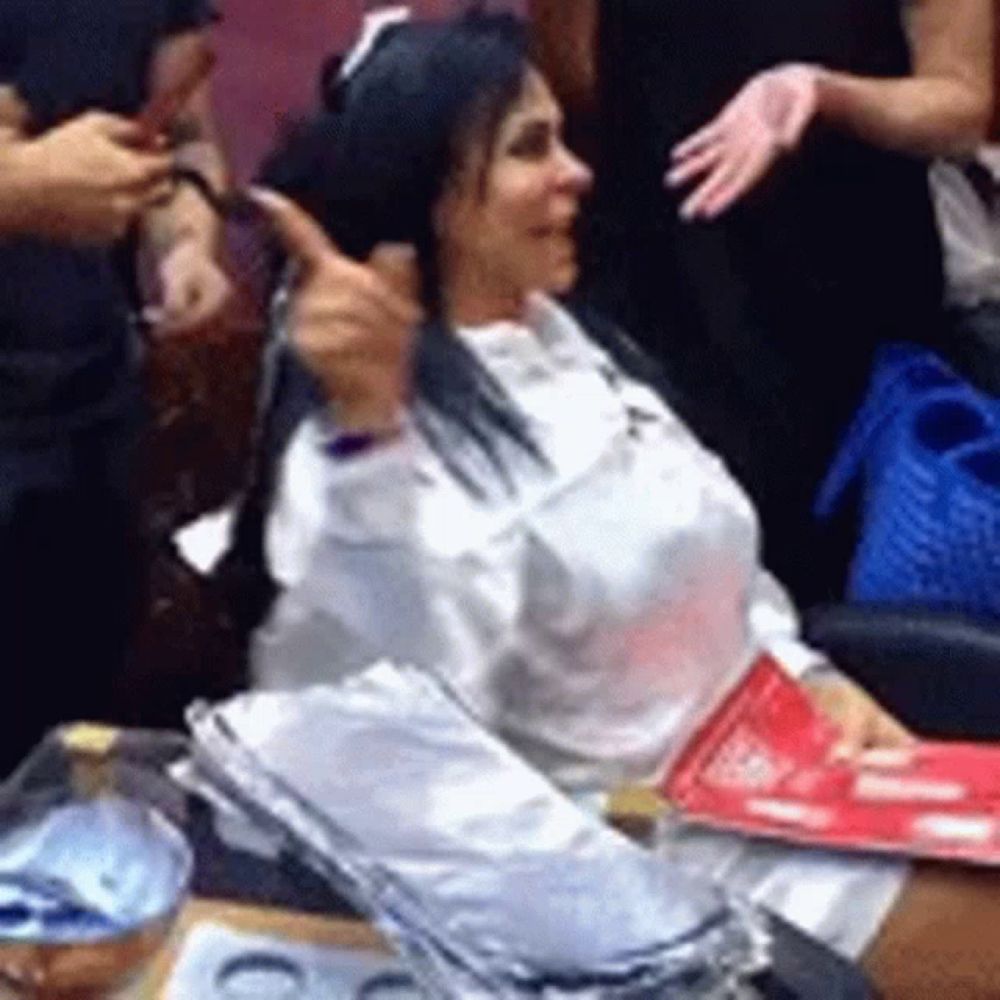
x: 92, y: 888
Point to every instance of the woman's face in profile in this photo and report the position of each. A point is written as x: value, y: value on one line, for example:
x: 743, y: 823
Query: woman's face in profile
x: 508, y: 217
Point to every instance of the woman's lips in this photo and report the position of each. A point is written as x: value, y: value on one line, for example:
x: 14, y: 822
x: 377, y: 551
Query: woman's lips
x: 562, y: 227
x: 555, y: 233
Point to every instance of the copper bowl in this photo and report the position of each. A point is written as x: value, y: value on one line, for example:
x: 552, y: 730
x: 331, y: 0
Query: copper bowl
x: 96, y: 964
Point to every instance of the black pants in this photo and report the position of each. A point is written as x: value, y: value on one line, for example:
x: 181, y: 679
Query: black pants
x: 67, y: 578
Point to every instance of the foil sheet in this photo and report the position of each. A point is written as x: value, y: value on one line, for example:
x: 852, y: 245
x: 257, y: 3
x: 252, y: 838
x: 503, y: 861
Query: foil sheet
x: 490, y: 881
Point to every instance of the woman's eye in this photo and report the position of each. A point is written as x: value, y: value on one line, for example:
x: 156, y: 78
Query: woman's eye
x: 532, y: 145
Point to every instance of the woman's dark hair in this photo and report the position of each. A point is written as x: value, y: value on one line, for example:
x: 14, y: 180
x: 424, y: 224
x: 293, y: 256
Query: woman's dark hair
x: 372, y: 167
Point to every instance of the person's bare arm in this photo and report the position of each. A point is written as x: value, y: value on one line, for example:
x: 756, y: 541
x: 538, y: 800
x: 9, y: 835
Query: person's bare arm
x: 184, y: 233
x: 186, y: 216
x: 943, y: 107
x: 994, y: 134
x: 564, y: 34
x: 946, y: 105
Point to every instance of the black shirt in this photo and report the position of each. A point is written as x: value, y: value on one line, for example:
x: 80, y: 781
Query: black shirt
x: 65, y: 355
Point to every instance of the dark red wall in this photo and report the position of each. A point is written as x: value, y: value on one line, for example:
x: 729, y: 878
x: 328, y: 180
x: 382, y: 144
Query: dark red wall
x: 269, y: 60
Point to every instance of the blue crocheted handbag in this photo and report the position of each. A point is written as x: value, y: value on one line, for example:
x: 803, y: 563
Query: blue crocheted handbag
x: 926, y: 446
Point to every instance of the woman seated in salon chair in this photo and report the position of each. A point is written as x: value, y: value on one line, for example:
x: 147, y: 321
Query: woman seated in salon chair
x: 495, y: 489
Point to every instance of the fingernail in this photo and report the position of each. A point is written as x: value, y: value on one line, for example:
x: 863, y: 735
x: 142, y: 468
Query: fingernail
x: 260, y: 195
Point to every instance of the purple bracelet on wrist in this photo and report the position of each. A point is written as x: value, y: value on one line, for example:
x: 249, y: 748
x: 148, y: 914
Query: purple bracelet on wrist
x: 349, y: 444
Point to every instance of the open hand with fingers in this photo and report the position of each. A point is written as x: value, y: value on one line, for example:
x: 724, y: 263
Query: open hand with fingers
x: 353, y: 324
x: 733, y: 153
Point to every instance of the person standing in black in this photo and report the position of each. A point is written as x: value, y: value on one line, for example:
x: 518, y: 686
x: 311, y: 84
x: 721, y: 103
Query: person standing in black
x: 70, y: 400
x: 763, y: 217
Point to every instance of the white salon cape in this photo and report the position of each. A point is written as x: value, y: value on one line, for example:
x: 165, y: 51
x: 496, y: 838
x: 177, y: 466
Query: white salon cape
x: 593, y: 615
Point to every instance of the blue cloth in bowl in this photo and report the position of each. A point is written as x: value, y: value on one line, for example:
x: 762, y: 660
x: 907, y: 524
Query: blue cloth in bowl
x: 88, y: 870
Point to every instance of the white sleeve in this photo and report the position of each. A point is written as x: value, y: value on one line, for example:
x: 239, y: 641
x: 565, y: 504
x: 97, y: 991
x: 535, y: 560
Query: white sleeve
x: 364, y: 497
x: 366, y: 585
x: 774, y: 627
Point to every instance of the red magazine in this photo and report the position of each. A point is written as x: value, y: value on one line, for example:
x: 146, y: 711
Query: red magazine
x: 761, y: 765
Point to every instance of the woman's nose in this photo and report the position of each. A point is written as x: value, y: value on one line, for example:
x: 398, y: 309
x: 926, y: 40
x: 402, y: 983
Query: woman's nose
x: 575, y: 175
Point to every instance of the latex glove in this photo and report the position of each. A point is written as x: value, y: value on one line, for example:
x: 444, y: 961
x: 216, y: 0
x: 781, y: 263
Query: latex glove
x: 194, y: 289
x: 353, y: 324
x: 733, y: 153
x: 864, y: 725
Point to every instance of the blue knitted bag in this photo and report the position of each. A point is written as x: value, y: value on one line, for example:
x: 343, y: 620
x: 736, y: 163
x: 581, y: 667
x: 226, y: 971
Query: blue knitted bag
x: 926, y: 448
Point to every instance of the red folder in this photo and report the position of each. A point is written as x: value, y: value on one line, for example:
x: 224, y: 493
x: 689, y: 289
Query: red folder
x: 762, y: 765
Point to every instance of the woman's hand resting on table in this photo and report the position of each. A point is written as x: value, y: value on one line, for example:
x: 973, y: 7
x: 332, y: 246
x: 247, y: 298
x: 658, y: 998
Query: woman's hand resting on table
x: 354, y: 325
x: 864, y: 725
x: 730, y: 155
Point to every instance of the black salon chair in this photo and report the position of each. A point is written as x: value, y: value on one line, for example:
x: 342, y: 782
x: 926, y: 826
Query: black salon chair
x: 938, y: 672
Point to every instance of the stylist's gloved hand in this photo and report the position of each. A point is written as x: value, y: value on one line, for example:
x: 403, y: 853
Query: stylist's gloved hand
x: 864, y: 725
x: 354, y: 325
x: 730, y: 155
